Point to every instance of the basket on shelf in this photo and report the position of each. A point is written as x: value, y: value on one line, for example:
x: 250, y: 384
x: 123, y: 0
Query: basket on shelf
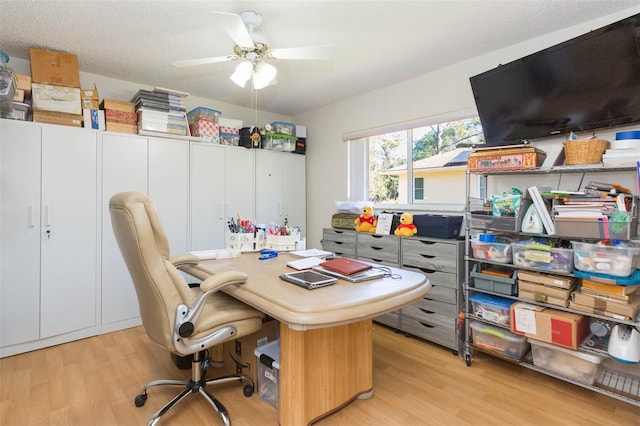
x: 584, y: 151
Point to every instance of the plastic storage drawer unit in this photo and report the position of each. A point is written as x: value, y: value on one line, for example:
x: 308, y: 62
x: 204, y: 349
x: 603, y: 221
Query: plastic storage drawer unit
x: 574, y: 365
x: 498, y: 340
x: 268, y: 371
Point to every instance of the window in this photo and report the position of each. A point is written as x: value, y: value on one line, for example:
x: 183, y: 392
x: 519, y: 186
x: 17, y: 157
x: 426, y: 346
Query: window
x: 438, y: 149
x: 418, y: 189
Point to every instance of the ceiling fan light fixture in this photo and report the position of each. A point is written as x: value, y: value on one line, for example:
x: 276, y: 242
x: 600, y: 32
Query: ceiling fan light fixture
x: 263, y: 74
x: 243, y: 72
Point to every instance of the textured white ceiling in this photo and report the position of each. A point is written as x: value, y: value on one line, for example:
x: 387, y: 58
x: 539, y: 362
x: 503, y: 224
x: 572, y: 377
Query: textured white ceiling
x: 377, y: 43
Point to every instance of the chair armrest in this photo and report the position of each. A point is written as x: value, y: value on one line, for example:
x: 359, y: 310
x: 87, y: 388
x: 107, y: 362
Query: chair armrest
x: 186, y: 317
x: 222, y: 279
x: 183, y: 260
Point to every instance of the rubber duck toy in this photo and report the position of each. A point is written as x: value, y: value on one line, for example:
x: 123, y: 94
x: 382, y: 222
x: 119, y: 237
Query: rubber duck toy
x: 367, y: 222
x: 406, y: 228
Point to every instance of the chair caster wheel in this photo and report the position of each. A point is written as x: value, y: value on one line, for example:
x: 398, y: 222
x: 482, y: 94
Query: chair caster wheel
x: 141, y: 399
x: 248, y: 390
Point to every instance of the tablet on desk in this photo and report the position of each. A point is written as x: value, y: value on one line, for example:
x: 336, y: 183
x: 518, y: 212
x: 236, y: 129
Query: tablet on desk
x: 309, y: 279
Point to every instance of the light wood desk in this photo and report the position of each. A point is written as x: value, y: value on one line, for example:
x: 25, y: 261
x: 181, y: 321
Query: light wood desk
x: 326, y: 358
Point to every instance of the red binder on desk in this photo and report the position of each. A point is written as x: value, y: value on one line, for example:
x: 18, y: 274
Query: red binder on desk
x: 345, y: 266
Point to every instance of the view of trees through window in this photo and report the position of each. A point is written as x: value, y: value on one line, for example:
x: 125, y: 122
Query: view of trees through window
x: 388, y: 151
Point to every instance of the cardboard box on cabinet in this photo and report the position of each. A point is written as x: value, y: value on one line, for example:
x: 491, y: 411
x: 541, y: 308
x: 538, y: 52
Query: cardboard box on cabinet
x: 50, y: 67
x: 90, y: 98
x: 61, y: 118
x: 239, y: 354
x: 549, y: 325
x: 49, y: 97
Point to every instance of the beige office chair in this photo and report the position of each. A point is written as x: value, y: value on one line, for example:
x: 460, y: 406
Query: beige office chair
x: 181, y: 319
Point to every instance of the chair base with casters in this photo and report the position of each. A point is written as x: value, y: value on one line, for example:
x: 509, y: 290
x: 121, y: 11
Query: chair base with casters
x: 196, y: 385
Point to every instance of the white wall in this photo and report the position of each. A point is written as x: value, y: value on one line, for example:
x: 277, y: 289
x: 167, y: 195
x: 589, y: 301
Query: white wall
x: 435, y: 93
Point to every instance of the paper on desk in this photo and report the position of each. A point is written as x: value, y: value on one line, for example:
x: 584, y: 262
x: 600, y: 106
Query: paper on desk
x: 215, y: 254
x: 305, y: 263
x: 311, y: 253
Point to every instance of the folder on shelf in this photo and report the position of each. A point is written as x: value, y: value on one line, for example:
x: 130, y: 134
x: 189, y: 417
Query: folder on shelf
x: 543, y: 210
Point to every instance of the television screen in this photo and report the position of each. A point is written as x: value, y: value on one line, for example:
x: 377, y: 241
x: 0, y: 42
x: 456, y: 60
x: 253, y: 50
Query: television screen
x: 586, y: 83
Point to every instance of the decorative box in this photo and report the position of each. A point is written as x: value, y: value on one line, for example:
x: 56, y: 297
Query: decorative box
x: 205, y: 128
x: 506, y: 158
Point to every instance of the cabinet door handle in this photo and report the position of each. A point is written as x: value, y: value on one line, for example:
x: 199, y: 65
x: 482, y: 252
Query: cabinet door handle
x: 47, y: 222
x: 32, y: 222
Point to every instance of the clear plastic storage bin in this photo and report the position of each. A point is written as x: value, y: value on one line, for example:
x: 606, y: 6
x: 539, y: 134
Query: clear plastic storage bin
x: 492, y: 308
x: 268, y: 371
x: 495, y: 251
x: 619, y: 260
x: 554, y: 260
x: 498, y: 340
x: 579, y: 366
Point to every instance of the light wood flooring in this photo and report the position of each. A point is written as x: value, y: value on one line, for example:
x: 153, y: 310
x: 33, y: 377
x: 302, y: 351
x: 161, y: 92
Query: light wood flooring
x: 94, y: 382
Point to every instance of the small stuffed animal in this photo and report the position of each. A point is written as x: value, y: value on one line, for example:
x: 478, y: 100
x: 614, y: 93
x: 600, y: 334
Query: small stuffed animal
x: 367, y: 222
x: 406, y: 227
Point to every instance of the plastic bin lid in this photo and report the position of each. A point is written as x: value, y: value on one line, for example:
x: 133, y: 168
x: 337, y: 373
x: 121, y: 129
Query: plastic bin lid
x: 271, y: 352
x: 488, y: 299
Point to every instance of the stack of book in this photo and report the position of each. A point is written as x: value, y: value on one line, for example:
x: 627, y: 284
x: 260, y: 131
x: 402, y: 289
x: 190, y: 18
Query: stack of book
x: 611, y: 300
x: 161, y: 111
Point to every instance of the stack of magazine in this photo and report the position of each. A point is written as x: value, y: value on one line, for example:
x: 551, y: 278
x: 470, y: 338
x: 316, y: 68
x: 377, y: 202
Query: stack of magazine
x: 161, y: 111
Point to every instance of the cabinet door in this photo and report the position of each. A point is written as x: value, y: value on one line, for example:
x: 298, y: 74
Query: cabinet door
x: 269, y: 187
x: 240, y: 182
x: 294, y: 200
x: 124, y: 168
x: 19, y: 232
x: 69, y: 224
x: 169, y: 189
x: 207, y: 196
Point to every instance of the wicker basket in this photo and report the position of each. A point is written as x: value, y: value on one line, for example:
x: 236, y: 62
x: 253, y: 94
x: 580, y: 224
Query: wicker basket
x: 584, y: 151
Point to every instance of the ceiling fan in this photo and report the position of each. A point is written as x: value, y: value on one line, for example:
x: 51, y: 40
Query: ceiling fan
x: 253, y: 49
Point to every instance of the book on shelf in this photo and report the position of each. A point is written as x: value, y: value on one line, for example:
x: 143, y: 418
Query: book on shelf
x: 543, y: 209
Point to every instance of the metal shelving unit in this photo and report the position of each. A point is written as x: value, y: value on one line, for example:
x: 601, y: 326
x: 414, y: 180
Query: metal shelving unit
x: 609, y: 381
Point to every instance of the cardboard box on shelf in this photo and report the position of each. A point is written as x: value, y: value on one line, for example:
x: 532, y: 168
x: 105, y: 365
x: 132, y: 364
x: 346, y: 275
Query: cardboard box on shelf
x: 117, y: 105
x: 18, y: 96
x: 48, y: 97
x: 94, y: 119
x: 121, y: 127
x: 239, y: 354
x: 547, y: 279
x: 549, y: 325
x: 603, y: 305
x: 24, y: 83
x: 90, y: 98
x: 53, y: 117
x: 50, y: 67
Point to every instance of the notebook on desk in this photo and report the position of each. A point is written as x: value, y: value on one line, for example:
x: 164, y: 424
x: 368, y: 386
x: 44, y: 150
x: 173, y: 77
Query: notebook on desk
x: 345, y: 265
x: 369, y: 274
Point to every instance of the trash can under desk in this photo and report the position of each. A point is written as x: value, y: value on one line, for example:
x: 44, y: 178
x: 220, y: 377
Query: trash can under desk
x: 268, y: 371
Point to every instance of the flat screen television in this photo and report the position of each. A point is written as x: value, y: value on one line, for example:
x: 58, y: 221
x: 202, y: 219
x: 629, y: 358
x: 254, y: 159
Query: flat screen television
x: 586, y: 83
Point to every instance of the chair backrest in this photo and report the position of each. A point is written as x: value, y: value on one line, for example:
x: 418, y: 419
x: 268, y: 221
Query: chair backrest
x: 144, y: 246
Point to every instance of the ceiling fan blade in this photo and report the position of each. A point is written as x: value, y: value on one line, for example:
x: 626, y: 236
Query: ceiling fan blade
x: 309, y: 52
x: 234, y: 26
x: 203, y: 61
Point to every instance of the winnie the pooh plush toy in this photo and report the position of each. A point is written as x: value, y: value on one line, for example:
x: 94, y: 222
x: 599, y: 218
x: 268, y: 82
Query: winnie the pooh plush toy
x: 367, y: 222
x: 406, y: 228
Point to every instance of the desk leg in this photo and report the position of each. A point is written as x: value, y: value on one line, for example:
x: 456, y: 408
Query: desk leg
x: 322, y: 370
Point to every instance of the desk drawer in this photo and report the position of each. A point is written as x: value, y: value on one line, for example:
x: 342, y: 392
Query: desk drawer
x: 443, y: 279
x: 339, y: 247
x: 378, y: 247
x: 379, y: 261
x: 442, y: 294
x: 432, y: 311
x: 440, y: 334
x: 432, y: 262
x: 339, y: 236
x: 391, y: 319
x: 432, y: 248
